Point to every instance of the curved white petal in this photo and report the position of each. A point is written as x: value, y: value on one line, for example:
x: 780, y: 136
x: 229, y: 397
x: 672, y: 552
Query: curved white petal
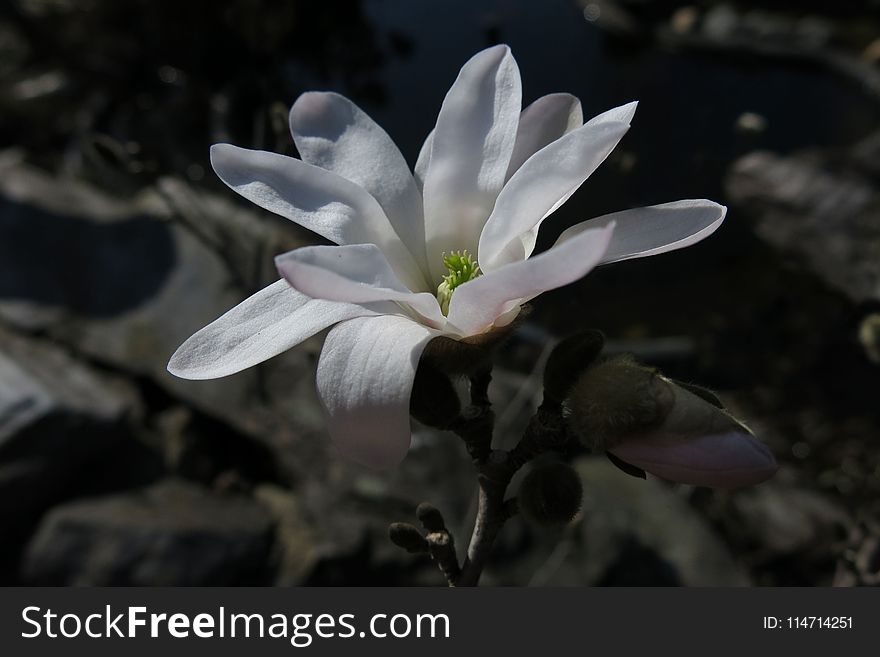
x: 333, y: 133
x: 543, y: 122
x: 315, y: 198
x: 358, y: 273
x: 471, y: 147
x: 423, y: 161
x: 478, y: 303
x: 654, y: 229
x: 365, y: 376
x: 265, y: 324
x: 545, y: 181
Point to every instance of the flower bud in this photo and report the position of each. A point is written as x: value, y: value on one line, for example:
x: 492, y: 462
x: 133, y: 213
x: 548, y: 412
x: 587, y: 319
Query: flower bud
x: 616, y: 398
x: 406, y: 536
x: 430, y: 517
x: 700, y: 391
x: 648, y: 421
x: 550, y: 495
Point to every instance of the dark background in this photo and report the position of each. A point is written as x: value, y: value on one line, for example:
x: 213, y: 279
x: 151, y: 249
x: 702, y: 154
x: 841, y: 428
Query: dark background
x: 117, y: 242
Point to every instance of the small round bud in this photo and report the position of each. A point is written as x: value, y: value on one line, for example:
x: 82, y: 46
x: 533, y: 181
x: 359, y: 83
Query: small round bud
x: 568, y: 360
x: 430, y: 517
x: 434, y: 400
x: 406, y: 536
x: 550, y: 495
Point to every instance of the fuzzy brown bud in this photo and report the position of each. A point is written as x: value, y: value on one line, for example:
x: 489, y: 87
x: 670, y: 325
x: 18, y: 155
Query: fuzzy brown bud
x: 430, y: 517
x: 406, y: 536
x: 616, y: 398
x: 550, y: 495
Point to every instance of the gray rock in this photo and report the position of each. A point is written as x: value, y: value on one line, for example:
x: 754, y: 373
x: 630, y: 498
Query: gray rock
x: 173, y: 533
x: 125, y: 281
x: 58, y: 418
x: 780, y: 519
x: 349, y: 509
x: 298, y: 546
x: 47, y: 395
x: 859, y: 565
x: 721, y: 21
x: 630, y: 532
x: 826, y: 215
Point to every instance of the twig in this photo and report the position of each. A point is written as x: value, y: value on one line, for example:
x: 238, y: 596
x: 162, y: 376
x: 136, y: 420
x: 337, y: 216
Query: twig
x: 546, y: 431
x: 495, y: 470
x: 474, y: 426
x: 476, y: 422
x: 441, y: 544
x: 442, y: 548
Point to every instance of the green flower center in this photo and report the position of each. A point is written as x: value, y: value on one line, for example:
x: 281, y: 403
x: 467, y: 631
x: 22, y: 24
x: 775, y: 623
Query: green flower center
x: 462, y: 268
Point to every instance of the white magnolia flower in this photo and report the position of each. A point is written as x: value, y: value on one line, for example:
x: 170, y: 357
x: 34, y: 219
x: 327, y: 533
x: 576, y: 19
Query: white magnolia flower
x: 444, y: 251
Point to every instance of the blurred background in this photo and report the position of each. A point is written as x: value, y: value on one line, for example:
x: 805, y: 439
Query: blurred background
x: 117, y: 242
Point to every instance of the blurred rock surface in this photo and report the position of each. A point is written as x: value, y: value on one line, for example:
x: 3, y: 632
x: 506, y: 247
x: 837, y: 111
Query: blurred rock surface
x: 826, y: 213
x: 173, y: 533
x: 59, y: 419
x: 631, y: 532
x: 125, y: 281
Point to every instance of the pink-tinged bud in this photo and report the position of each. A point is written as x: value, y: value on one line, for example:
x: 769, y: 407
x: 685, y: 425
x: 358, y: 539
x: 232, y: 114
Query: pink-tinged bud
x: 649, y: 421
x: 728, y: 460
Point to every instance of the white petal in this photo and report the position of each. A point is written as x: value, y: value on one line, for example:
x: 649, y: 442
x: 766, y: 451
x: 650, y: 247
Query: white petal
x: 478, y: 303
x: 423, y: 161
x: 358, y: 273
x: 543, y: 122
x: 365, y: 377
x: 472, y: 143
x: 654, y: 229
x: 544, y: 182
x: 316, y: 199
x: 271, y: 321
x: 335, y: 134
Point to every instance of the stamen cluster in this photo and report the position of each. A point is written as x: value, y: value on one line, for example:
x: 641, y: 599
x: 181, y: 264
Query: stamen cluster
x: 462, y: 267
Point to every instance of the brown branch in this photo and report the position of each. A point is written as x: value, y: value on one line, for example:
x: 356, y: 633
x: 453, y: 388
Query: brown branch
x: 546, y: 431
x: 490, y: 520
x: 474, y: 426
x: 495, y: 470
x: 441, y: 544
x: 442, y: 548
